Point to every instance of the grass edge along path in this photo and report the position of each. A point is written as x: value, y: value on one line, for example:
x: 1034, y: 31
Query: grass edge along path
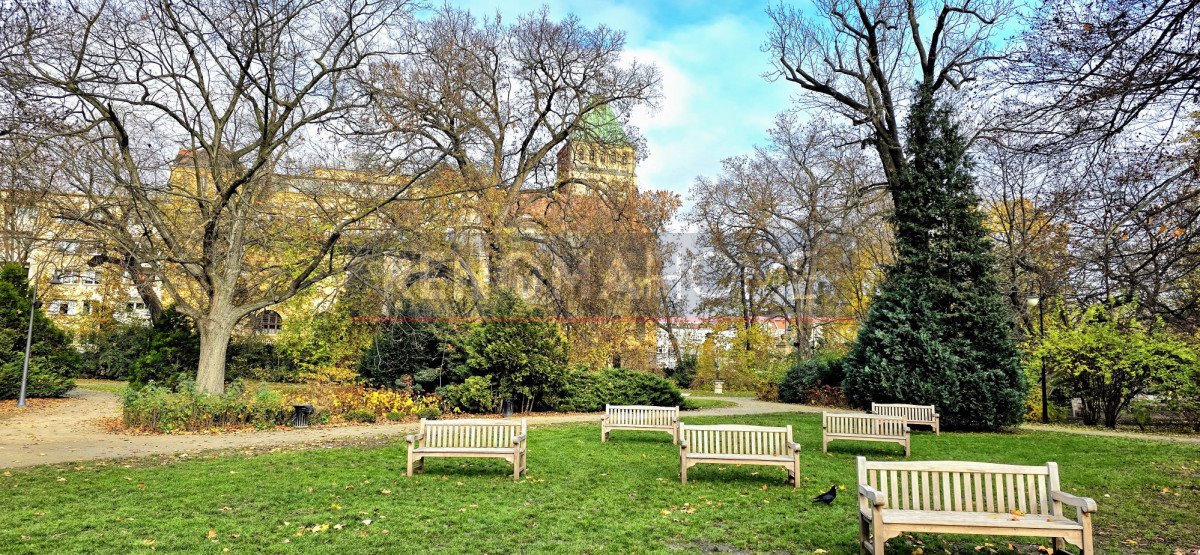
x: 580, y: 496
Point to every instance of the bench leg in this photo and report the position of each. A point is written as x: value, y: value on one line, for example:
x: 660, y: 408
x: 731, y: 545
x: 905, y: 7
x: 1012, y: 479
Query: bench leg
x: 907, y: 447
x: 864, y: 534
x: 1056, y: 544
x: 410, y: 465
x: 878, y: 543
x: 603, y: 434
x: 683, y: 471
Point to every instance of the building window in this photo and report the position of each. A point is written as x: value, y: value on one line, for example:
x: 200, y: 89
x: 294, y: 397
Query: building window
x: 72, y: 277
x: 269, y: 322
x: 61, y: 308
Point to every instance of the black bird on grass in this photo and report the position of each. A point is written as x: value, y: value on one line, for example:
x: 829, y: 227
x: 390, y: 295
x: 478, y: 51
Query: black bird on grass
x: 827, y: 497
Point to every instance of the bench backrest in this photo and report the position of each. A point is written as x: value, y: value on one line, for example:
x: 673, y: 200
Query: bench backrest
x: 641, y: 415
x: 922, y: 413
x: 733, y: 439
x: 850, y: 423
x: 471, y: 433
x: 962, y: 485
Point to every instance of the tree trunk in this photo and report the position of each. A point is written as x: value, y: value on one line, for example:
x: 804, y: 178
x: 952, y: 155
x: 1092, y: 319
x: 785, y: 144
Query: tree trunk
x: 214, y: 343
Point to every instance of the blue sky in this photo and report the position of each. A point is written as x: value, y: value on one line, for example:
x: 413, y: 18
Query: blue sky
x: 716, y: 104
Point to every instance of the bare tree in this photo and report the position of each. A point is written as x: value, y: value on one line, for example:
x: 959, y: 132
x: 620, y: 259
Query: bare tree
x: 499, y: 100
x: 779, y: 219
x: 862, y: 58
x: 1091, y: 71
x: 199, y: 119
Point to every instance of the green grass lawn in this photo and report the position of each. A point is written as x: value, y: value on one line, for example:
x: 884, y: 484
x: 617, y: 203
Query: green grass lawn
x: 580, y: 496
x: 109, y: 386
x: 708, y: 392
x: 692, y: 403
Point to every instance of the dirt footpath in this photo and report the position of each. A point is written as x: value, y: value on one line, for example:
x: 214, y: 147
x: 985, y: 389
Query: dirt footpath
x: 70, y: 431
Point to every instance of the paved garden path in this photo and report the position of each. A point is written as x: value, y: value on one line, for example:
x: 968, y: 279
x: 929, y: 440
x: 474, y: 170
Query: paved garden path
x: 72, y: 431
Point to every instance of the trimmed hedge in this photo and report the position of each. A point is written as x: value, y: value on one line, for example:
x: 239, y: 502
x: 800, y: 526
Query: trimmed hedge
x: 589, y: 391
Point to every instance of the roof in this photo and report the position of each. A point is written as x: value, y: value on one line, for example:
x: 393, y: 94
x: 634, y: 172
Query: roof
x: 601, y: 126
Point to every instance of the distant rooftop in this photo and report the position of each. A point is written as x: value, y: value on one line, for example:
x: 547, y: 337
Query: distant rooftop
x: 601, y: 126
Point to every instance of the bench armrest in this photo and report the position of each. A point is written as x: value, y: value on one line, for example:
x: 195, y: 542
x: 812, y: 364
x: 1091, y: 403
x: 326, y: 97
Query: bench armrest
x: 875, y: 497
x: 1084, y: 504
x: 683, y: 444
x: 413, y: 438
x: 518, y: 439
x: 603, y: 417
x: 793, y: 446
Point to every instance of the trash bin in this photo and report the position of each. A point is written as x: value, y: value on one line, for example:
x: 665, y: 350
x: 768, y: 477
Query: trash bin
x: 300, y: 419
x: 506, y: 407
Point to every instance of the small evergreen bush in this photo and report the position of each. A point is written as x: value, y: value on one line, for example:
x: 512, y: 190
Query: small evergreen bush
x: 684, y: 372
x: 589, y: 390
x: 42, y: 382
x: 362, y: 416
x: 475, y: 395
x: 822, y: 369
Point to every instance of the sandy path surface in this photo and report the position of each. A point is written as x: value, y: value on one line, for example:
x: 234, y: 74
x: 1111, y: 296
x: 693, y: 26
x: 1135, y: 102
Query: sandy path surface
x: 70, y: 431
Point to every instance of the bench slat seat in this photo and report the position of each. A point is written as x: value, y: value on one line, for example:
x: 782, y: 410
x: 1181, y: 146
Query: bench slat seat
x: 743, y: 459
x: 924, y: 415
x: 864, y: 427
x: 499, y: 439
x: 960, y: 497
x: 641, y: 418
x: 737, y: 444
x: 945, y: 519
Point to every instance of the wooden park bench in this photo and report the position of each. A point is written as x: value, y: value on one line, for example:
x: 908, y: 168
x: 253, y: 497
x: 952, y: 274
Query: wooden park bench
x: 864, y: 427
x: 736, y: 444
x: 959, y: 497
x: 500, y: 439
x: 640, y: 417
x: 924, y: 415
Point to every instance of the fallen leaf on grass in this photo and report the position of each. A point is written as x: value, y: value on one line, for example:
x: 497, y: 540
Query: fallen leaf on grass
x: 212, y: 534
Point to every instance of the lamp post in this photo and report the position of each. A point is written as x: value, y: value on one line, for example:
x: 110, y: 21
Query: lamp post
x: 33, y: 304
x: 1033, y: 300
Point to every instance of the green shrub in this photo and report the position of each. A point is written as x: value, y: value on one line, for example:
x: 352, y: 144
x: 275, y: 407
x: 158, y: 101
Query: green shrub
x: 1110, y: 358
x: 684, y: 372
x: 153, y: 407
x: 395, y: 416
x: 822, y: 369
x: 166, y: 353
x: 429, y: 413
x: 43, y: 382
x: 360, y: 415
x: 413, y: 351
x: 53, y: 360
x: 524, y: 354
x: 589, y: 390
x: 475, y: 395
x: 1180, y: 392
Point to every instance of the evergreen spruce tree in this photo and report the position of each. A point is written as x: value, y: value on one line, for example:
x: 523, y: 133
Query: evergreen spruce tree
x: 939, y: 331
